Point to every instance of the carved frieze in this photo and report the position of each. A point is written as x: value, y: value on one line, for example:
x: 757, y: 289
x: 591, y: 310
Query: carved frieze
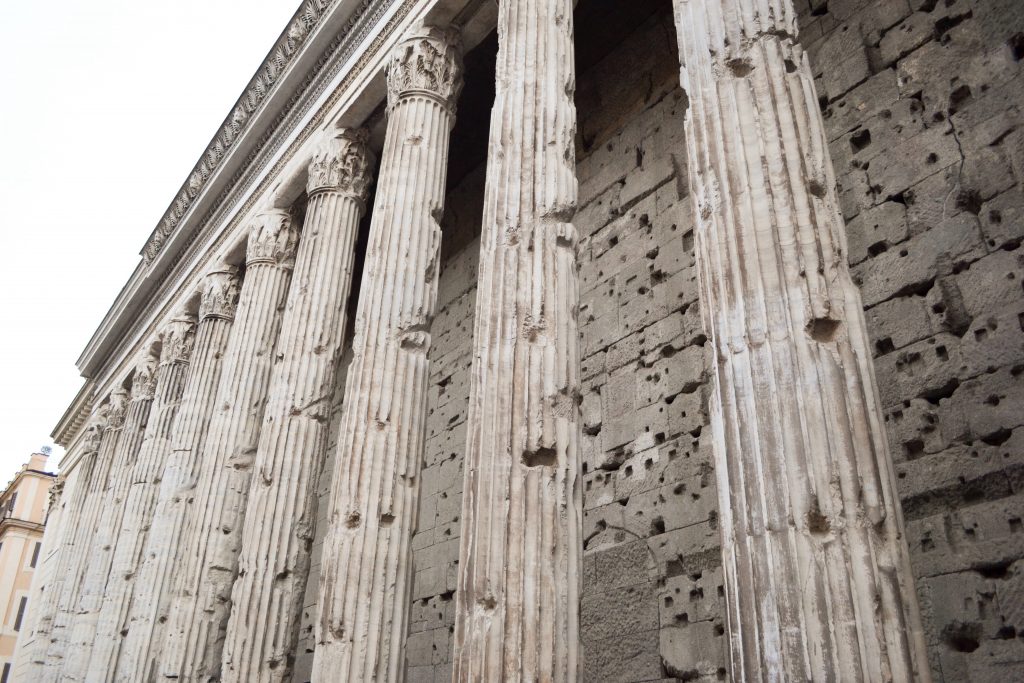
x: 272, y: 239
x: 219, y: 294
x: 342, y: 163
x: 429, y: 61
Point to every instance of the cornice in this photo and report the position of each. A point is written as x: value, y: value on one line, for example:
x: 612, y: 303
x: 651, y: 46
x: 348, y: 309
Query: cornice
x: 341, y: 28
x: 304, y: 22
x: 75, y: 416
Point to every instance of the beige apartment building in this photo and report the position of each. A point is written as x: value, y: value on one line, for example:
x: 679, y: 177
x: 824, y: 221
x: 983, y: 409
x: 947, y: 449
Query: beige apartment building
x: 23, y: 505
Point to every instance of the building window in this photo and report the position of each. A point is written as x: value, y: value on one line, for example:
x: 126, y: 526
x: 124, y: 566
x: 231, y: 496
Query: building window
x: 35, y: 554
x: 6, y: 673
x: 21, y: 613
x: 11, y: 504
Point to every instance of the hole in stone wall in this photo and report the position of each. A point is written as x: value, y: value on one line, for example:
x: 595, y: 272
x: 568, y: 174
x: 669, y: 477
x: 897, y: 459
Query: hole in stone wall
x: 541, y: 457
x: 860, y: 140
x: 823, y: 330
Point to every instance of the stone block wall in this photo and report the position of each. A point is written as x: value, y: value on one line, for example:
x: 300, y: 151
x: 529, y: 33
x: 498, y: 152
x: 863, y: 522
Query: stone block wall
x: 923, y: 107
x: 922, y: 103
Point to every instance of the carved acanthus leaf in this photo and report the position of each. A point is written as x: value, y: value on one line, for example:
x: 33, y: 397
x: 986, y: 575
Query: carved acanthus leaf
x: 178, y: 337
x: 53, y: 499
x: 343, y: 163
x: 144, y: 379
x: 273, y: 239
x: 94, y: 430
x: 117, y: 408
x: 428, y: 61
x: 219, y: 294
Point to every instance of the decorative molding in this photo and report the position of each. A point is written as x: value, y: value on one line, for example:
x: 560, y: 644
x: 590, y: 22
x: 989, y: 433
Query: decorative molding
x: 304, y: 22
x: 273, y: 239
x: 343, y: 163
x: 219, y: 293
x: 178, y: 337
x: 240, y: 195
x: 428, y: 61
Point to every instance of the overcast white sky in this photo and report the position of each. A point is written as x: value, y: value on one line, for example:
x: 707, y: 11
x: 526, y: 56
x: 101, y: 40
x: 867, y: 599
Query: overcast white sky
x: 105, y: 105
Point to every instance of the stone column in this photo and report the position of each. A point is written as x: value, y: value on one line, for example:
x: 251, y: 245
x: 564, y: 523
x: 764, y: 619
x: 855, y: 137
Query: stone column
x: 101, y: 554
x: 177, y: 340
x: 365, y: 578
x: 210, y: 543
x: 48, y: 626
x: 149, y: 605
x: 517, y: 612
x: 277, y: 533
x: 72, y: 566
x: 817, y: 576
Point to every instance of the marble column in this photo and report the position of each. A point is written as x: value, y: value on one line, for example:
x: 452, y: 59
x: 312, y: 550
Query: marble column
x: 517, y: 612
x: 177, y: 341
x: 817, y: 575
x: 74, y: 561
x: 149, y: 605
x: 94, y: 581
x: 277, y: 534
x: 48, y: 635
x: 365, y: 579
x: 211, y: 540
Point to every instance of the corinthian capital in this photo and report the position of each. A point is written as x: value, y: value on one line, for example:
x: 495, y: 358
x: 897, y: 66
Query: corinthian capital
x: 343, y: 163
x: 117, y: 408
x: 427, y: 62
x: 94, y: 430
x: 144, y: 379
x: 219, y: 294
x: 177, y: 337
x: 272, y: 239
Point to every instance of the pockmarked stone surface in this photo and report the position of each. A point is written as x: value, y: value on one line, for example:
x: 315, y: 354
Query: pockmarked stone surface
x: 796, y: 397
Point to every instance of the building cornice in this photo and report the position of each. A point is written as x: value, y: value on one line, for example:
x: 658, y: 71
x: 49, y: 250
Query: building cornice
x: 75, y: 415
x: 322, y: 35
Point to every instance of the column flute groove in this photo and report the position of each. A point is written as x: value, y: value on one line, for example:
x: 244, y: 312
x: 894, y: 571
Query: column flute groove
x: 277, y: 535
x: 50, y: 627
x: 150, y: 602
x: 517, y: 612
x: 177, y: 341
x: 366, y: 568
x: 94, y: 582
x: 73, y: 570
x: 817, y: 573
x: 211, y: 538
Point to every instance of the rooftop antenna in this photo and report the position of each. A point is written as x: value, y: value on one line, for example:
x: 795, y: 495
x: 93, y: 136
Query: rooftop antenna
x: 46, y: 450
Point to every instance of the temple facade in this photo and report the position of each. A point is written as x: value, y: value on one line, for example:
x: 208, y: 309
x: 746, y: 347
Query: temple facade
x: 542, y: 340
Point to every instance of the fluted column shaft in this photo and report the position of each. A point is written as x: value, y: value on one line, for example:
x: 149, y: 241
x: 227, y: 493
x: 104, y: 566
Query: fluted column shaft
x: 177, y: 342
x: 817, y: 575
x: 278, y: 529
x: 365, y: 572
x: 94, y: 582
x: 210, y: 543
x: 77, y: 554
x: 71, y: 498
x: 517, y: 610
x: 151, y: 599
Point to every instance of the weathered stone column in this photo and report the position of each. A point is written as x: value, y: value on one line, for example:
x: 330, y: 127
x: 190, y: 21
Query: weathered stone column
x: 365, y: 578
x: 47, y: 628
x: 817, y: 576
x: 517, y: 613
x: 210, y: 543
x: 72, y: 566
x: 149, y: 605
x: 90, y: 599
x: 277, y: 533
x: 177, y: 340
